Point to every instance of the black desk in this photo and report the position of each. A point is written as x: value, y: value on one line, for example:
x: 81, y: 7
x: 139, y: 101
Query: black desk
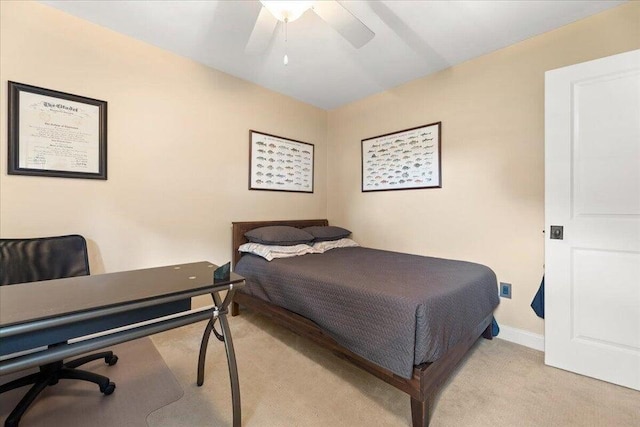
x: 78, y: 306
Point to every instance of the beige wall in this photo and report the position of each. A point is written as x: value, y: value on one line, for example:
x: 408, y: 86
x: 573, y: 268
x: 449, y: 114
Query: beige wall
x: 178, y: 145
x: 178, y: 151
x: 491, y: 207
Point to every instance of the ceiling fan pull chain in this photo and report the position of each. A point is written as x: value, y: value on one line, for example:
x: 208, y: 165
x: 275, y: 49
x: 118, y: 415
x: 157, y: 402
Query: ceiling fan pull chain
x: 286, y: 58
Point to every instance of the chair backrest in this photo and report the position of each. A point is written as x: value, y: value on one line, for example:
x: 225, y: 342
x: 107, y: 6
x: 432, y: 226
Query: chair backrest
x: 46, y: 258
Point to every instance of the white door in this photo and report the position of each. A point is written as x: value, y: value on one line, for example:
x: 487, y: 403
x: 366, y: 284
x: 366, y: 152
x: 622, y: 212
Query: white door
x: 592, y: 190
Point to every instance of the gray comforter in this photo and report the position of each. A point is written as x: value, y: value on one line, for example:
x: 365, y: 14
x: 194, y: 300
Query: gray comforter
x: 393, y: 309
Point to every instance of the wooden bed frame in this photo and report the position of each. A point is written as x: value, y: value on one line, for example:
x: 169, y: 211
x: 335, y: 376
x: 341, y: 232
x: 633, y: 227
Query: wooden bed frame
x: 427, y: 378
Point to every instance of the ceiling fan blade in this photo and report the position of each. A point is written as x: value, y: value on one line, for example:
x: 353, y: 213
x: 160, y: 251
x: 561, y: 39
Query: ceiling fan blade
x: 343, y: 21
x: 262, y: 32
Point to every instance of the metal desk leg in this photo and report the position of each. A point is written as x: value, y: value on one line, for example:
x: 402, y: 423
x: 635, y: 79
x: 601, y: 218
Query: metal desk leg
x: 231, y: 357
x: 233, y: 371
x: 203, y: 350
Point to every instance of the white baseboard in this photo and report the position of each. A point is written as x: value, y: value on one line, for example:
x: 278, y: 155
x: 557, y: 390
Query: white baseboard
x: 522, y: 337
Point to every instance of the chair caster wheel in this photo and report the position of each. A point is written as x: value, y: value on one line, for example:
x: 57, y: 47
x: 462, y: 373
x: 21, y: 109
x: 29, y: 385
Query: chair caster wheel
x: 108, y: 389
x: 111, y: 360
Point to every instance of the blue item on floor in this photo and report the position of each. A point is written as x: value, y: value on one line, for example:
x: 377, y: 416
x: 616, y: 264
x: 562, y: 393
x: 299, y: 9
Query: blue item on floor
x: 495, y: 329
x: 538, y: 301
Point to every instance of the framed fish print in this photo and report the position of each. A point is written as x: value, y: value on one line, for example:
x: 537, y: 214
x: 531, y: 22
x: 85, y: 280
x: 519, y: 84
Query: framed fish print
x: 404, y: 160
x: 280, y: 164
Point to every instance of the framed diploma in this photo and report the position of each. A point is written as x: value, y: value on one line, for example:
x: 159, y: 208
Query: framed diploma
x: 280, y: 164
x: 56, y: 134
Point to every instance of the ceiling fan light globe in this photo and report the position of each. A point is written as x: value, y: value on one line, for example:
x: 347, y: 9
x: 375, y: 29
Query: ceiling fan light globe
x: 287, y: 11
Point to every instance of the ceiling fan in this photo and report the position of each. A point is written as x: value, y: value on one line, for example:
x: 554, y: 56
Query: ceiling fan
x: 331, y: 11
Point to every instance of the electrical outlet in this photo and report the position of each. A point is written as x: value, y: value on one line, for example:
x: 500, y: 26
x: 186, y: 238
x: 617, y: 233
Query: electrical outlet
x: 505, y: 290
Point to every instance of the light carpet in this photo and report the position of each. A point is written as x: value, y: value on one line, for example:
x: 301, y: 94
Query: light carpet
x: 143, y: 384
x: 286, y: 380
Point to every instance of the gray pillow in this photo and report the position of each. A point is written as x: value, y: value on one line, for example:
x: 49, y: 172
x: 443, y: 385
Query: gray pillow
x: 280, y: 235
x: 326, y: 233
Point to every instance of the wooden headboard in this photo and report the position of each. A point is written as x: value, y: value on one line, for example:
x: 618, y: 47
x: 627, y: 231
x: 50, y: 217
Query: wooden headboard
x: 239, y: 228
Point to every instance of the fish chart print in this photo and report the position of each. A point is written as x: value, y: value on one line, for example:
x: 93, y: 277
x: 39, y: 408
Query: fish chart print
x: 404, y: 160
x: 280, y: 164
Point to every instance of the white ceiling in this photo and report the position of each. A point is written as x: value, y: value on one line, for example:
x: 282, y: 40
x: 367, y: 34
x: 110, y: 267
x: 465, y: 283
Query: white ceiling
x: 412, y: 39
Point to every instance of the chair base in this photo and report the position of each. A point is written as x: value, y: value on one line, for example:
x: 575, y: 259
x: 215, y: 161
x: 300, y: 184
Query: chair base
x: 50, y: 374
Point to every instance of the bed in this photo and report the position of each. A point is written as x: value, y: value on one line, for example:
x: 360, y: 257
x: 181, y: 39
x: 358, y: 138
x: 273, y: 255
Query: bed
x: 363, y: 305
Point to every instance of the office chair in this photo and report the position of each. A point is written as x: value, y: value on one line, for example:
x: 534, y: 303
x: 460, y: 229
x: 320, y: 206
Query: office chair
x: 30, y: 260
